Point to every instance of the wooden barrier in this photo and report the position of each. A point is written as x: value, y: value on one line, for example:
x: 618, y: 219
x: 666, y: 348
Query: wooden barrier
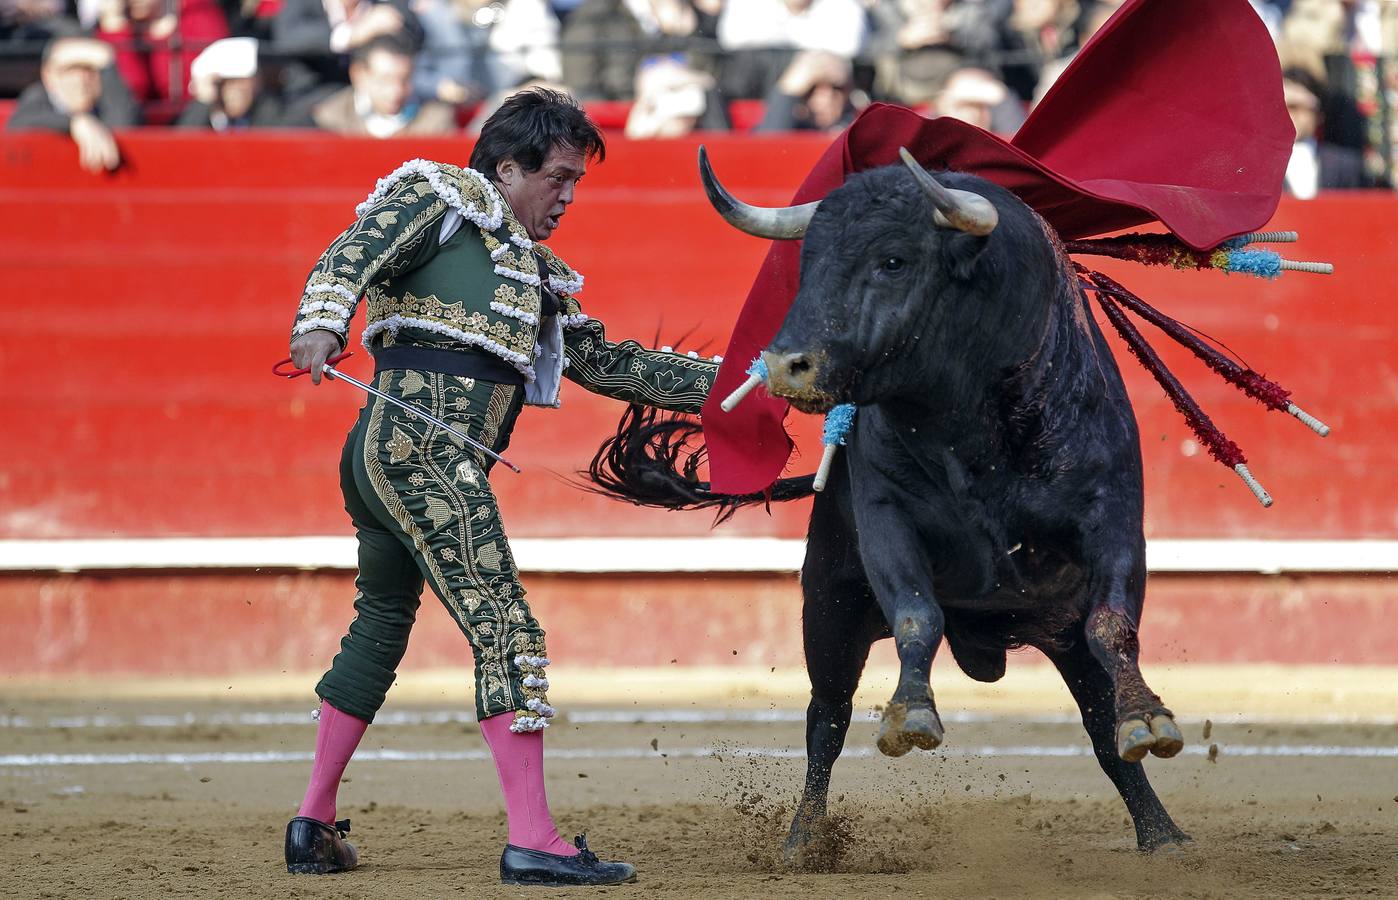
x: 186, y: 624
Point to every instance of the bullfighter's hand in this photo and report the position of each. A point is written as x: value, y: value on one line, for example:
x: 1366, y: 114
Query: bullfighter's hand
x: 312, y: 349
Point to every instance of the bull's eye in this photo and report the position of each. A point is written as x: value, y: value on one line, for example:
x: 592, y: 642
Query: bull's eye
x: 892, y: 265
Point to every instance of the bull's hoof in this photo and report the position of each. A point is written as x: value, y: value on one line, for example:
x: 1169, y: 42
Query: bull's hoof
x: 1168, y: 740
x: 817, y: 843
x: 903, y: 729
x: 795, y: 853
x: 1134, y: 740
x: 1170, y: 841
x: 1169, y: 848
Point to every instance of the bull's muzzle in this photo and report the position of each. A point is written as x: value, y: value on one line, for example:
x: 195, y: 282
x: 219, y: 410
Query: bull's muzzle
x: 795, y: 376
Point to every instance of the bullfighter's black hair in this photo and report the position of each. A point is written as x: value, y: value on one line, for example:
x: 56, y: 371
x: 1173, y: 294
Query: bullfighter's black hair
x: 530, y: 124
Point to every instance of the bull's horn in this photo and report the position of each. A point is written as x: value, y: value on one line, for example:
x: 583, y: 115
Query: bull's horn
x: 781, y: 223
x: 961, y: 210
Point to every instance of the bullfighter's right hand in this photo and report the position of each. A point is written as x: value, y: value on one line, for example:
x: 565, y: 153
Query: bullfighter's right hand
x: 312, y: 349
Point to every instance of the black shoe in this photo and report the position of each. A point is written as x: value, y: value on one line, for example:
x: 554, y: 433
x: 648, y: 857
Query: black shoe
x: 314, y: 848
x: 520, y: 866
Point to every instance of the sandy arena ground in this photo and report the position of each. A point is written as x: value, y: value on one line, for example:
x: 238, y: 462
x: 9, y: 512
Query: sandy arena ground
x: 139, y: 790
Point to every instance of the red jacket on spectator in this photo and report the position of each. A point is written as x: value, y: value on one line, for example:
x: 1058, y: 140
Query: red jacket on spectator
x: 151, y: 47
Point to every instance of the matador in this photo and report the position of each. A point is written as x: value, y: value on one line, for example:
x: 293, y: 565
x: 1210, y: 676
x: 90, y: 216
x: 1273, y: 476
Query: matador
x: 468, y: 317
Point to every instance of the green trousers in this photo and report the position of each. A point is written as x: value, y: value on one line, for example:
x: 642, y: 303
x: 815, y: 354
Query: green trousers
x: 423, y: 509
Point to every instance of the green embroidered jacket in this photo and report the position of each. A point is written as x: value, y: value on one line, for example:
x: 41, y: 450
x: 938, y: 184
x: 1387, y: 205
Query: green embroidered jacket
x: 441, y: 261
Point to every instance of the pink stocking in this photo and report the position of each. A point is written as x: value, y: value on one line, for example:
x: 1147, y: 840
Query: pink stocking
x: 519, y: 760
x: 336, y: 737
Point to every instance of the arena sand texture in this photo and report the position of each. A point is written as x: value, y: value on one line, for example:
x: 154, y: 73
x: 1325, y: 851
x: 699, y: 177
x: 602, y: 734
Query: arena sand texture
x: 692, y: 775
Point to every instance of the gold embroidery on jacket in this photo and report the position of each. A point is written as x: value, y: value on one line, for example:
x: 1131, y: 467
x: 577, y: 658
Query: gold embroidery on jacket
x: 510, y: 296
x: 432, y: 308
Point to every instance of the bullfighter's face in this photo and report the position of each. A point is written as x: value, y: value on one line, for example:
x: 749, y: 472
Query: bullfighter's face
x: 540, y: 198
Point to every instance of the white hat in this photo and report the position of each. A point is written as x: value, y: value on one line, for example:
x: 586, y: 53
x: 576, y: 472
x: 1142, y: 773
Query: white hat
x: 975, y: 87
x: 234, y: 57
x: 80, y: 51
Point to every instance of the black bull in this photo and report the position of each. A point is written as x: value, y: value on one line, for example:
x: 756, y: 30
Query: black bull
x: 990, y: 493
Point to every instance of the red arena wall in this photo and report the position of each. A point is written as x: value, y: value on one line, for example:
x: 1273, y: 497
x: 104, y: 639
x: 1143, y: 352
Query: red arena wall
x: 145, y: 309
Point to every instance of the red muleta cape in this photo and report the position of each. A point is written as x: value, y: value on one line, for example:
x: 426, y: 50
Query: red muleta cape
x: 1173, y: 112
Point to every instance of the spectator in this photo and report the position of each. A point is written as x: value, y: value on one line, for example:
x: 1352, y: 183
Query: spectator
x: 606, y: 40
x: 524, y: 39
x: 762, y: 36
x: 1037, y: 31
x: 321, y: 34
x: 1321, y: 38
x: 604, y: 46
x: 1091, y: 19
x: 228, y: 90
x: 456, y: 64
x: 1313, y: 30
x: 672, y: 100
x: 979, y: 98
x: 379, y: 101
x: 933, y: 38
x: 32, y: 21
x: 1315, y: 165
x: 813, y: 94
x: 155, y: 43
x: 251, y: 18
x: 79, y: 93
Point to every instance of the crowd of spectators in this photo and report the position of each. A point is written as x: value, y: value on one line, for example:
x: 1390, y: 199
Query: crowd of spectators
x: 393, y: 67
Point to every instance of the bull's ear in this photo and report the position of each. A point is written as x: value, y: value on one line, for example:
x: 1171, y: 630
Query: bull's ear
x: 962, y: 254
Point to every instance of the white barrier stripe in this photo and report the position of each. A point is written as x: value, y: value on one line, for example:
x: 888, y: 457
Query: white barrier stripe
x: 409, y: 718
x: 674, y: 555
x: 263, y: 757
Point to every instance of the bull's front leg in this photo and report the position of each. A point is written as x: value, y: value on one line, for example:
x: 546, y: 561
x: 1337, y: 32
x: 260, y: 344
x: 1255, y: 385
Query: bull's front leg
x: 901, y: 576
x: 910, y: 719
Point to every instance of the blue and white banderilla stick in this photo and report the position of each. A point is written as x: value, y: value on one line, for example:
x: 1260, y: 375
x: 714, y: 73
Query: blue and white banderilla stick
x: 757, y: 373
x: 335, y: 375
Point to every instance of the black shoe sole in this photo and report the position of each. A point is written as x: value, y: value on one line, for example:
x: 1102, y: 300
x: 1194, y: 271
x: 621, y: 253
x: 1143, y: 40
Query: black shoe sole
x: 310, y: 868
x: 522, y: 882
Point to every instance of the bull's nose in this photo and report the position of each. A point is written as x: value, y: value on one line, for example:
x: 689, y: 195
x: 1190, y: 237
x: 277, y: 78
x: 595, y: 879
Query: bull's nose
x: 789, y: 374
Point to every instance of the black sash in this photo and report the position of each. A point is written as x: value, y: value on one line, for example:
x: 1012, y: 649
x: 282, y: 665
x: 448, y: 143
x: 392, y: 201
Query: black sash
x: 464, y: 363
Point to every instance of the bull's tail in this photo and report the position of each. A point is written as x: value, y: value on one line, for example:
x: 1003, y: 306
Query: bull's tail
x: 654, y: 460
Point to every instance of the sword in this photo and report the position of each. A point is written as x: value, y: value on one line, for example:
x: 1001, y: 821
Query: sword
x: 333, y: 374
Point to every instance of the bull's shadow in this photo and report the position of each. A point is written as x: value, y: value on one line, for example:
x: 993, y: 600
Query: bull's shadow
x: 990, y: 493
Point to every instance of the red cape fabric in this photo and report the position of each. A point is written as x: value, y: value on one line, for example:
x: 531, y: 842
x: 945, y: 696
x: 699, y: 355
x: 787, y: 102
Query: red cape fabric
x: 1172, y: 113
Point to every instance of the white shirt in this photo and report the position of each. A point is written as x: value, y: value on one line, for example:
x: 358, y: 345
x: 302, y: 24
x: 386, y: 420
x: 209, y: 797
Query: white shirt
x: 1303, y: 171
x: 836, y: 26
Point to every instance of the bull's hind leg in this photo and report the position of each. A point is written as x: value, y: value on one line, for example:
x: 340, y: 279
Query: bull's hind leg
x: 1096, y: 694
x: 1143, y: 723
